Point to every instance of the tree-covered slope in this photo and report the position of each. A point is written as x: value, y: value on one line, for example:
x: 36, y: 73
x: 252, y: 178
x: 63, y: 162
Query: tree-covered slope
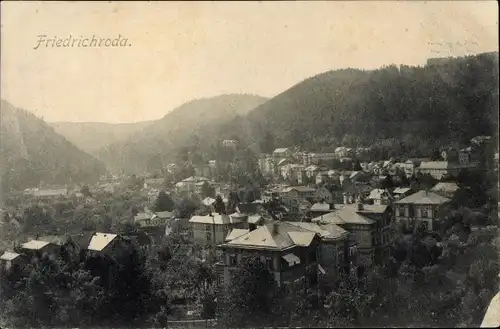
x: 157, y: 143
x: 452, y: 100
x: 92, y: 136
x: 32, y: 152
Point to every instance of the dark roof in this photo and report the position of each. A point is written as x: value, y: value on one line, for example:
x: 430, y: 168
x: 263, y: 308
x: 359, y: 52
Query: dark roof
x: 247, y: 208
x: 82, y: 239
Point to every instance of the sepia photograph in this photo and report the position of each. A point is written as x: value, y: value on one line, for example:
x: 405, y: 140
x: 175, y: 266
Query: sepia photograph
x: 253, y: 164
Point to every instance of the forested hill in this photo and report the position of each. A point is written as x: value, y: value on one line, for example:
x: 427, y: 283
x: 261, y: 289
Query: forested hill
x: 451, y: 100
x: 30, y: 152
x: 92, y: 136
x: 155, y: 145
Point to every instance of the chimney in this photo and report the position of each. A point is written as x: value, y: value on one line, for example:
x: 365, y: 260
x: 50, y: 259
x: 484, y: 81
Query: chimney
x: 275, y: 228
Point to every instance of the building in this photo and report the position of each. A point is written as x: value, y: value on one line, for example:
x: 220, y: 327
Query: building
x: 266, y: 164
x: 10, y: 260
x: 401, y: 192
x: 368, y: 227
x: 282, y: 153
x: 154, y: 183
x: 419, y: 208
x: 446, y: 189
x: 292, y: 172
x: 322, y: 177
x: 213, y: 228
x: 321, y: 208
x: 465, y: 155
x: 191, y: 185
x: 312, y: 171
x: 290, y: 253
x: 38, y: 249
x: 379, y: 196
x: 155, y: 219
x: 297, y: 193
x: 324, y: 194
x: 334, y: 251
x: 48, y: 195
x: 440, y: 169
x: 106, y: 244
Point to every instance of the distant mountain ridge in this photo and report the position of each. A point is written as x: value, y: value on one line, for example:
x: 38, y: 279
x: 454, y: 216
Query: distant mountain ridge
x: 92, y: 136
x: 414, y: 108
x: 32, y: 152
x: 159, y: 141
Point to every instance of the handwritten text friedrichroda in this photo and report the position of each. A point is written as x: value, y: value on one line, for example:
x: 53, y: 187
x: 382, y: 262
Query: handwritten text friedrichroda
x: 44, y: 41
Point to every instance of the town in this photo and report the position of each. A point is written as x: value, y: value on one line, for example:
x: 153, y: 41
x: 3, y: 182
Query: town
x: 315, y: 222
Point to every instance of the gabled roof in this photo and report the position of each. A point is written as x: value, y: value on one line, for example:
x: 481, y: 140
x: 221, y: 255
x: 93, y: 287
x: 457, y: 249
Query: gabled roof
x: 142, y: 216
x: 9, y: 255
x: 299, y: 189
x: 282, y: 161
x: 401, y: 190
x: 49, y: 193
x: 321, y: 207
x: 424, y: 197
x: 376, y: 193
x: 235, y: 233
x: 208, y: 201
x: 275, y: 235
x: 255, y: 219
x: 445, y: 187
x: 281, y: 150
x: 325, y: 231
x: 193, y: 179
x: 59, y: 240
x: 434, y: 165
x: 34, y: 245
x: 163, y: 214
x: 100, y: 241
x: 351, y: 214
x: 216, y: 219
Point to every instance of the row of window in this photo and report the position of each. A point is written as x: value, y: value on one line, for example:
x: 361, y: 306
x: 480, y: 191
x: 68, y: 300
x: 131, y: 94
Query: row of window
x: 424, y: 212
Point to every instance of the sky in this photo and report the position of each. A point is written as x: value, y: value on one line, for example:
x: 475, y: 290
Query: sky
x: 178, y: 51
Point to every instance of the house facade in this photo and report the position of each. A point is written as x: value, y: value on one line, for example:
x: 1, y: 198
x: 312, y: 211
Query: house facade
x: 368, y: 227
x: 289, y: 252
x: 212, y: 229
x: 419, y: 208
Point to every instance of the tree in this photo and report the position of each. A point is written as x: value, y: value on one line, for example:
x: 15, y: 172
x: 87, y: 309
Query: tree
x: 219, y: 205
x: 85, y: 191
x: 350, y: 301
x: 249, y: 195
x: 232, y: 202
x: 164, y: 202
x: 186, y: 208
x: 387, y: 183
x: 207, y: 190
x: 357, y: 166
x: 249, y: 297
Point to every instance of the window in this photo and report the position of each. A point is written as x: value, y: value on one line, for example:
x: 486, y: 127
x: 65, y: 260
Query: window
x: 208, y: 228
x: 398, y: 211
x: 209, y: 236
x: 312, y: 255
x: 424, y: 213
x: 269, y: 263
x: 232, y: 260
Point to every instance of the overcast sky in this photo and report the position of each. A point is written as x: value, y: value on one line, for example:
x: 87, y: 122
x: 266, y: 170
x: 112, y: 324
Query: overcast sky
x: 180, y: 51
